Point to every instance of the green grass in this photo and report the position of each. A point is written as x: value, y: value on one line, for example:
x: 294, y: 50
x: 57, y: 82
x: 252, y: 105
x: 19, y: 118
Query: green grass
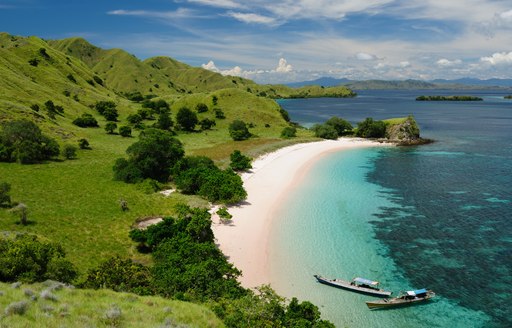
x: 395, y: 121
x: 98, y: 308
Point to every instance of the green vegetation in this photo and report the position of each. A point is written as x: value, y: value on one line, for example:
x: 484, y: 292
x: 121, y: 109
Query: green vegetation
x: 25, y: 258
x: 51, y: 304
x: 240, y: 162
x: 22, y: 141
x: 333, y: 128
x: 5, y: 197
x: 370, y: 128
x: 85, y: 121
x: 448, y: 98
x: 289, y: 132
x: 508, y: 97
x: 186, y: 119
x: 238, y: 130
x: 78, y: 204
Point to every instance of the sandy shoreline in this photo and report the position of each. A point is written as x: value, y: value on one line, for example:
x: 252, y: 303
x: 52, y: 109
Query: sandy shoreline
x: 245, y: 239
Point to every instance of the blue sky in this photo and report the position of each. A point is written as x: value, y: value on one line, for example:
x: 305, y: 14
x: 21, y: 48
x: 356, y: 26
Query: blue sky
x: 273, y: 41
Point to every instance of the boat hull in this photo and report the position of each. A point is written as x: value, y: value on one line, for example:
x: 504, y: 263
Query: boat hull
x: 397, y: 302
x: 338, y: 283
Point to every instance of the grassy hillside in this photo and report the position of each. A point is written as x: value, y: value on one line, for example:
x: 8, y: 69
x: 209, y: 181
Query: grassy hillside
x: 53, y: 305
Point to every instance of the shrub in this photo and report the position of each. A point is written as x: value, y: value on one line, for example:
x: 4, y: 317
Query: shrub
x: 34, y: 107
x: 207, y: 124
x: 22, y: 141
x: 69, y: 151
x: 48, y: 295
x: 110, y: 114
x: 150, y: 157
x: 86, y: 120
x: 19, y: 308
x: 5, y: 198
x: 186, y: 119
x: 342, y: 126
x: 101, y: 106
x: 125, y: 131
x: 215, y: 100
x: 238, y: 130
x: 25, y: 258
x: 289, y: 132
x: 110, y: 127
x: 83, y: 143
x: 224, y: 214
x: 201, y: 108
x: 164, y: 121
x: 120, y: 275
x: 71, y: 78
x: 371, y: 129
x: 98, y: 80
x: 34, y: 62
x: 240, y: 162
x: 149, y: 186
x: 219, y: 113
x: 325, y: 131
x: 134, y: 118
x: 113, y: 316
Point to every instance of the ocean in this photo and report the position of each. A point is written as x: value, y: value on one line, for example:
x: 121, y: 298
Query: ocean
x: 437, y: 216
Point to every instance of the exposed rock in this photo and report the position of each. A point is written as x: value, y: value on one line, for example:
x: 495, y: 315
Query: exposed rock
x: 405, y: 132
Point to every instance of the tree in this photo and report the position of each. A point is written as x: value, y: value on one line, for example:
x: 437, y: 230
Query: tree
x: 5, y: 198
x: 134, y: 118
x: 150, y: 157
x: 110, y: 127
x: 69, y: 151
x: 125, y: 131
x: 207, y: 124
x: 164, y: 121
x: 101, y: 106
x: 219, y: 113
x: 240, y: 162
x: 86, y: 120
x: 83, y: 143
x: 111, y: 114
x: 22, y: 210
x: 325, y: 131
x: 289, y: 132
x: 25, y: 258
x: 371, y: 129
x: 238, y: 130
x: 201, y: 108
x: 22, y: 141
x: 186, y: 119
x: 343, y: 127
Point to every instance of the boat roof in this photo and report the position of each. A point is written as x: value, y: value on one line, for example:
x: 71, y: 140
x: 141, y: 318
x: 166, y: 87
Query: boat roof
x: 416, y: 292
x: 366, y: 281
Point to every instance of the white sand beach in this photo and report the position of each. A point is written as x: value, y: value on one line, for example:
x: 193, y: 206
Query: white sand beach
x: 245, y: 239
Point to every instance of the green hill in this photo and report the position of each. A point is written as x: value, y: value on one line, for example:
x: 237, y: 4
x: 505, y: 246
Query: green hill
x: 52, y: 304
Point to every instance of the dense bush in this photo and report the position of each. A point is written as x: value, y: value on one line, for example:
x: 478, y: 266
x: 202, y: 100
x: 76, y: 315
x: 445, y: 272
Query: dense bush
x: 206, y: 124
x: 325, y: 131
x: 120, y: 275
x: 25, y: 258
x: 86, y: 120
x: 238, y: 130
x: 107, y: 109
x: 289, y: 132
x: 150, y: 157
x: 371, y: 129
x: 156, y: 106
x: 69, y: 151
x: 22, y: 141
x: 5, y: 198
x: 164, y: 121
x: 134, y: 118
x: 343, y: 127
x: 198, y: 175
x: 219, y: 113
x: 125, y: 131
x: 240, y: 162
x: 186, y: 119
x: 110, y: 127
x: 201, y: 108
x: 84, y: 143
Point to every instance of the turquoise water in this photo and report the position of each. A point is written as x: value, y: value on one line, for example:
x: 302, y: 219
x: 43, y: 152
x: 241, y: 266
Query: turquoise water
x: 324, y: 228
x: 436, y: 216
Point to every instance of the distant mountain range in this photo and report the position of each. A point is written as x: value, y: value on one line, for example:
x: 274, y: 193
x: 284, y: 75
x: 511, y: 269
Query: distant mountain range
x: 463, y: 83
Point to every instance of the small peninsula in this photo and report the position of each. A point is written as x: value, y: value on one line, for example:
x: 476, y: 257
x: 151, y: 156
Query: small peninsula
x: 448, y: 98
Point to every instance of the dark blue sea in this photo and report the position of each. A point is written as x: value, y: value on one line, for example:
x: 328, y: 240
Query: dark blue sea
x: 437, y: 216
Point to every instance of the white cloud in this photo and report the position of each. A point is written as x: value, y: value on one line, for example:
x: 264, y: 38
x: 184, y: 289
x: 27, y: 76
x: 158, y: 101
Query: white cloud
x: 252, y: 18
x: 405, y: 64
x: 218, y: 3
x: 178, y: 13
x: 210, y: 66
x: 443, y: 62
x: 498, y: 58
x: 365, y: 56
x: 283, y: 66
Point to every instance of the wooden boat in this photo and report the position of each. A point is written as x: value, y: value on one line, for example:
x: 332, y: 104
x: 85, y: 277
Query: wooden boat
x: 404, y: 298
x: 359, y: 285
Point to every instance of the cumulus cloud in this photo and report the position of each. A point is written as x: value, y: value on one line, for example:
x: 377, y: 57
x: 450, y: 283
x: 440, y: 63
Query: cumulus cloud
x: 283, y: 66
x: 210, y: 66
x: 251, y: 18
x: 365, y: 56
x: 498, y: 58
x: 443, y: 62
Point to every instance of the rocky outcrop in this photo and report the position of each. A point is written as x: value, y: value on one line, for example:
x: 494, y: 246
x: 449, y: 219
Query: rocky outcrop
x: 404, y: 132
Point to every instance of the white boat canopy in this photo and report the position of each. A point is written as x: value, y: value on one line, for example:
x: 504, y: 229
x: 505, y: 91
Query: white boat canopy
x: 366, y: 281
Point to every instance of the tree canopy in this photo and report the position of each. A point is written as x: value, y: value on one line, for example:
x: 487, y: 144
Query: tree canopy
x: 371, y: 129
x: 186, y: 119
x: 238, y: 130
x: 150, y: 157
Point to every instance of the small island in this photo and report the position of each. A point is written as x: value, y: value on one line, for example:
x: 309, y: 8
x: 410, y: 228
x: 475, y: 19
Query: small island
x: 508, y: 97
x: 448, y: 98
